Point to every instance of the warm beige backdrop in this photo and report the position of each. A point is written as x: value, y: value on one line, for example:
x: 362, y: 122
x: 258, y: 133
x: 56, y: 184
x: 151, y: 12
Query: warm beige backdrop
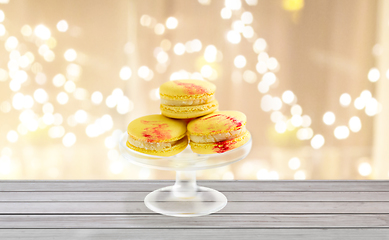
x: 324, y: 48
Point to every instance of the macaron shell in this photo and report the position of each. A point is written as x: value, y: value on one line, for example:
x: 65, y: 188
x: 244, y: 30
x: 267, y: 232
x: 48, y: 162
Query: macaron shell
x: 184, y: 112
x: 220, y: 147
x: 186, y: 89
x: 217, y: 122
x: 167, y: 152
x: 156, y: 128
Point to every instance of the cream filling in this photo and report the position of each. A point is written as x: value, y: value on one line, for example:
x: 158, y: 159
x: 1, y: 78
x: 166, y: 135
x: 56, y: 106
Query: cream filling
x: 187, y: 102
x: 150, y: 145
x: 218, y: 137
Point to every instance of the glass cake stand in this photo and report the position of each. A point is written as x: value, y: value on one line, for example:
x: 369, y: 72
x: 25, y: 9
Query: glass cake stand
x: 185, y: 198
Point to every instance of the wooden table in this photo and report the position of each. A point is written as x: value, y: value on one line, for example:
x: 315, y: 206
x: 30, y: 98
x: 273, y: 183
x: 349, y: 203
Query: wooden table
x: 256, y: 210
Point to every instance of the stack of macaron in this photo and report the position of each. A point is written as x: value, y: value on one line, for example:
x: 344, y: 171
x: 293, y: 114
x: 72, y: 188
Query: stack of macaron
x: 189, y: 114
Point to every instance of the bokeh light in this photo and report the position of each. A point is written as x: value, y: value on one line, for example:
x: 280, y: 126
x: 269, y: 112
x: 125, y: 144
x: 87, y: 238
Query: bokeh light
x: 48, y: 108
x: 42, y: 32
x: 299, y: 175
x: 162, y: 57
x: 238, y: 26
x: 248, y: 32
x: 97, y: 97
x: 345, y: 100
x: 240, y: 61
x: 70, y: 86
x: 171, y: 23
x: 280, y: 127
x: 124, y: 105
x: 252, y: 2
x: 267, y: 103
x: 210, y: 53
x: 233, y: 4
x: 277, y: 116
x: 2, y: 30
x: 259, y: 45
x: 206, y: 71
x: 125, y: 73
x: 56, y: 132
x: 48, y: 118
x: 372, y: 107
x: 69, y: 139
x: 226, y: 13
x: 249, y: 76
x: 296, y: 110
x: 247, y: 17
x: 70, y: 55
x: 145, y: 72
x: 204, y: 2
x: 2, y: 16
x: 12, y: 136
x: 5, y: 165
x: 11, y: 43
x: 196, y: 45
x: 293, y: 5
x: 233, y: 37
x: 179, y: 49
x: 294, y: 163
x: 59, y: 80
x: 359, y: 103
x: 62, y: 26
x: 81, y: 116
x: 261, y: 67
x: 341, y: 132
x: 317, y: 141
x: 296, y: 120
x: 304, y: 133
x: 306, y: 121
x: 40, y: 95
x: 374, y: 75
x: 3, y: 75
x: 329, y: 118
x: 62, y: 98
x: 288, y: 97
x: 159, y: 29
x: 364, y: 169
x: 355, y: 124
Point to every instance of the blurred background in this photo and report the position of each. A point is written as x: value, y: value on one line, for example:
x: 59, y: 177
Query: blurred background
x: 311, y: 76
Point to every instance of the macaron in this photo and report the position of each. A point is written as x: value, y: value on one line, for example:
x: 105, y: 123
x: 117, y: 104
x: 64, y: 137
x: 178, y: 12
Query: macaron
x: 218, y: 132
x: 184, y: 99
x: 157, y: 135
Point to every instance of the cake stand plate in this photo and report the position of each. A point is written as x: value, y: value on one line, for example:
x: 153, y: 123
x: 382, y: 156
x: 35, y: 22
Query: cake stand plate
x: 185, y: 198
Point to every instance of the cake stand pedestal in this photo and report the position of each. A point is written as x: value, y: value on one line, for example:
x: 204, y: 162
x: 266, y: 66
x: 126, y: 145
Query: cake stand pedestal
x: 185, y: 198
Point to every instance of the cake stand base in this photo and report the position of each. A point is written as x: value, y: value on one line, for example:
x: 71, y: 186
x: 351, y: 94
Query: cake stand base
x: 204, y: 202
x: 185, y: 198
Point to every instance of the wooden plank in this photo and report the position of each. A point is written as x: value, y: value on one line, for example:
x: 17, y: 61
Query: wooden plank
x: 231, y: 196
x: 232, y: 207
x: 206, y: 222
x: 214, y: 234
x: 229, y: 186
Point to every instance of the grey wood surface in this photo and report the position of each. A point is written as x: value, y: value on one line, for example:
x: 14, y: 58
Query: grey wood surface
x: 256, y: 209
x: 232, y: 207
x: 232, y: 196
x: 214, y: 221
x: 225, y: 186
x: 179, y: 234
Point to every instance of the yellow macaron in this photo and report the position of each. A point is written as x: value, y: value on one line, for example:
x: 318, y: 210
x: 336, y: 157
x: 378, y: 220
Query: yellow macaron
x: 184, y: 99
x: 218, y: 132
x: 157, y: 135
